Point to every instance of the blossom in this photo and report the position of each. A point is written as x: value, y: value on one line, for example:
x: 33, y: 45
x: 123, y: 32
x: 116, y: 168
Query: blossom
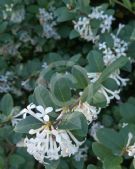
x: 94, y: 128
x: 37, y: 112
x: 110, y: 54
x: 48, y: 23
x: 90, y: 112
x: 109, y: 94
x: 84, y: 28
x: 130, y: 149
x: 17, y: 16
x: 81, y: 154
x: 4, y: 86
x: 26, y: 85
x: 106, y: 24
x: 51, y: 143
x: 47, y: 141
x: 118, y: 79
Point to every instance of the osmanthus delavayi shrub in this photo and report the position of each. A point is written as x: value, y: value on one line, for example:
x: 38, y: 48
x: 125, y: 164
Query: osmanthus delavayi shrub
x: 66, y: 69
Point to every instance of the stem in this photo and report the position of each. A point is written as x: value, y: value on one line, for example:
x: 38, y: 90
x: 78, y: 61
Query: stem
x: 120, y: 3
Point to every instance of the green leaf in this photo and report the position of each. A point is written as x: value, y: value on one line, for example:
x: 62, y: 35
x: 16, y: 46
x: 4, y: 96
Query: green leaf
x: 26, y: 124
x: 109, y: 160
x: 133, y: 35
x: 101, y: 151
x: 91, y: 167
x: 111, y: 139
x: 83, y: 5
x: 127, y: 4
x: 119, y: 63
x: 80, y: 75
x: 60, y: 89
x: 3, y: 26
x: 2, y: 162
x: 91, y: 89
x: 43, y: 96
x: 52, y: 164
x: 127, y: 112
x: 63, y: 14
x: 111, y: 84
x: 106, y: 37
x: 75, y: 58
x: 112, y: 162
x: 16, y: 160
x: 76, y: 122
x: 99, y: 100
x: 6, y: 104
x: 95, y: 60
x: 73, y: 34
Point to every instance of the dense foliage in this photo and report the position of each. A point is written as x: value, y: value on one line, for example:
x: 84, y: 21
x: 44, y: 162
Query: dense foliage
x: 67, y: 84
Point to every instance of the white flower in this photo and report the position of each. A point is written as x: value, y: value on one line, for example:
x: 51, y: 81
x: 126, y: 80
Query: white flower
x: 26, y: 85
x: 96, y: 13
x: 18, y: 16
x: 83, y: 25
x: 130, y: 149
x: 109, y: 95
x: 44, y: 66
x: 81, y: 154
x: 119, y: 80
x: 37, y: 112
x: 51, y: 143
x: 47, y: 21
x: 94, y: 128
x: 90, y: 112
x: 118, y: 50
x: 8, y: 7
x: 47, y: 142
x: 124, y: 125
x: 107, y: 22
x: 21, y: 143
x: 4, y: 84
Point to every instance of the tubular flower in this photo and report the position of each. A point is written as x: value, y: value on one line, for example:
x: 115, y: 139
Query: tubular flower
x: 119, y: 48
x: 47, y: 142
x: 109, y: 94
x: 81, y: 154
x: 48, y: 23
x: 90, y: 112
x: 84, y: 24
x: 130, y: 149
x: 38, y: 112
x: 51, y: 143
x: 118, y: 79
x: 94, y: 128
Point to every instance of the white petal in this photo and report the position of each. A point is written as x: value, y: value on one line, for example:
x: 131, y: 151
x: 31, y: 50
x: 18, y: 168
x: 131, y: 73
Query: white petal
x: 40, y: 109
x: 48, y: 110
x: 31, y: 106
x: 46, y: 118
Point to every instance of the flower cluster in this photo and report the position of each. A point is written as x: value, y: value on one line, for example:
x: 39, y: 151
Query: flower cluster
x: 18, y: 15
x: 90, y: 112
x: 94, y: 128
x: 47, y: 142
x: 118, y: 49
x: 81, y: 154
x: 48, y: 23
x: 14, y: 15
x: 84, y: 25
x: 4, y: 86
x: 109, y: 94
x: 130, y: 149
